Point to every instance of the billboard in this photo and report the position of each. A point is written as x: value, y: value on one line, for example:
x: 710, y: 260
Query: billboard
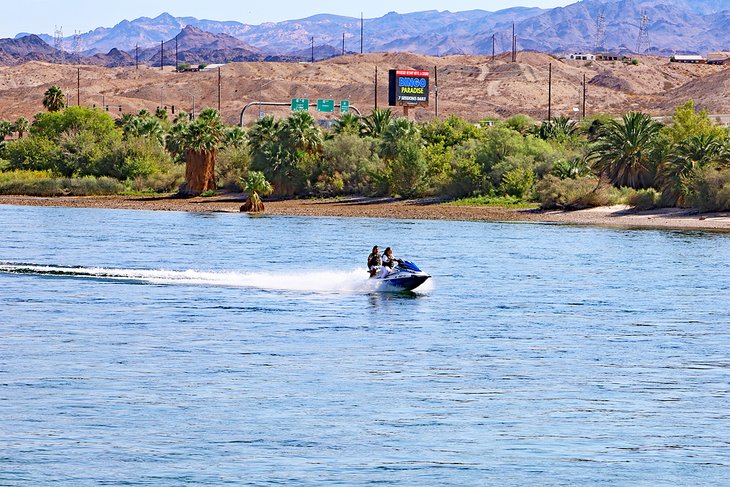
x: 408, y: 87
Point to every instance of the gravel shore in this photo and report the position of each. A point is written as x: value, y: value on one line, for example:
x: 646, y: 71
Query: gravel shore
x: 613, y: 216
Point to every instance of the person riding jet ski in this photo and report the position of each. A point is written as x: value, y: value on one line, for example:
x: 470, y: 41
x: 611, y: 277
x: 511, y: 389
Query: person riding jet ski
x: 375, y: 261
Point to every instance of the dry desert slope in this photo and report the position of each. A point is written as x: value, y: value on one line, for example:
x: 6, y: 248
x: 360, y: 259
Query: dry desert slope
x: 474, y: 87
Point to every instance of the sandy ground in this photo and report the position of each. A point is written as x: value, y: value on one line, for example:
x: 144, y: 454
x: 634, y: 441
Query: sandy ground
x: 613, y: 216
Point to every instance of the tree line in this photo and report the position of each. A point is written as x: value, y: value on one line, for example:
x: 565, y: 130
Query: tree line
x: 559, y: 163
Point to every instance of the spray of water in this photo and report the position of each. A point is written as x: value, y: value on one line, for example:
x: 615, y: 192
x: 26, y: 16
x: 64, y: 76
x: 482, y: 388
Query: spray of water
x: 351, y: 281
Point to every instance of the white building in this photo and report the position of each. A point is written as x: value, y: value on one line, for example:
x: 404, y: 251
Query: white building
x: 580, y: 56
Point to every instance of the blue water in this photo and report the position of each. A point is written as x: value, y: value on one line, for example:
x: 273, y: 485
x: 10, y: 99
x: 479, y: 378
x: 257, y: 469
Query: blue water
x: 166, y: 348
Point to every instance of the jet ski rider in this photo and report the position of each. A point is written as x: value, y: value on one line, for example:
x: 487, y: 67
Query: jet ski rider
x: 389, y: 261
x: 375, y: 261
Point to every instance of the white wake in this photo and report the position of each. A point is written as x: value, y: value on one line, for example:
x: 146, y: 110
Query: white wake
x: 330, y: 281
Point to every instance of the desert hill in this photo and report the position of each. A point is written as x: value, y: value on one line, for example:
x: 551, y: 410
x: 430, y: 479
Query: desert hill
x: 474, y: 87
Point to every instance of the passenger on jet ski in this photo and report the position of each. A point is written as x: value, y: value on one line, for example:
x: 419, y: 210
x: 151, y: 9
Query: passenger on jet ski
x: 375, y: 261
x: 389, y: 261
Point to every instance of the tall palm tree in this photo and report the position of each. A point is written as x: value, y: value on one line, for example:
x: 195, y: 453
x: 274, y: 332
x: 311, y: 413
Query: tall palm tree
x: 21, y: 126
x: 623, y: 152
x: 263, y: 133
x: 201, y: 142
x: 255, y: 184
x: 692, y: 154
x: 235, y: 137
x: 53, y: 99
x: 401, y: 129
x: 349, y: 123
x: 301, y: 132
x: 375, y: 124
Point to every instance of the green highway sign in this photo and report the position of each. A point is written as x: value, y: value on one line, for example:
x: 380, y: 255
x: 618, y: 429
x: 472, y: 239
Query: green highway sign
x: 299, y: 104
x: 344, y: 106
x: 326, y: 106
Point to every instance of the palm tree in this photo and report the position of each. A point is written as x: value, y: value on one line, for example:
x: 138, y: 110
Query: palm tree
x: 301, y: 132
x: 6, y: 128
x: 401, y: 129
x: 264, y: 132
x: 558, y: 128
x: 235, y: 137
x: 349, y: 123
x: 255, y: 184
x: 21, y: 126
x: 54, y: 99
x: 574, y: 168
x: 692, y: 154
x: 375, y: 124
x: 202, y: 139
x: 623, y: 152
x: 161, y: 113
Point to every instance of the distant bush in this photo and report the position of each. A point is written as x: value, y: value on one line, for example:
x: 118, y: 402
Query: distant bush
x: 711, y: 189
x: 571, y: 194
x: 231, y: 165
x: 645, y: 199
x: 32, y: 184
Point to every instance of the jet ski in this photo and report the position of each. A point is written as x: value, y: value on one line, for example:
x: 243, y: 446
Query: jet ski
x: 406, y: 276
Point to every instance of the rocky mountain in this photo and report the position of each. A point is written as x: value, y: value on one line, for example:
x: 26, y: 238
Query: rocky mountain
x: 24, y: 49
x: 674, y: 26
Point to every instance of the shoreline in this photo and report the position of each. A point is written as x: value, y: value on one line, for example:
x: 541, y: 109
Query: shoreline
x: 424, y: 209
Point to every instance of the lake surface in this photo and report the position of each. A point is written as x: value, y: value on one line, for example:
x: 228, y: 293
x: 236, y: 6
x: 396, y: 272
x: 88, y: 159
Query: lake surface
x: 180, y: 349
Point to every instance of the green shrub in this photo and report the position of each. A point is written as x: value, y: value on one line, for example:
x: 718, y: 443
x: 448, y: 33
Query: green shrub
x: 407, y: 170
x: 488, y: 200
x: 159, y: 182
x: 645, y: 199
x: 231, y: 165
x: 518, y: 182
x: 34, y: 186
x: 132, y: 158
x: 520, y: 123
x: 711, y: 189
x: 571, y: 194
x: 32, y: 153
x: 52, y: 125
x: 347, y: 165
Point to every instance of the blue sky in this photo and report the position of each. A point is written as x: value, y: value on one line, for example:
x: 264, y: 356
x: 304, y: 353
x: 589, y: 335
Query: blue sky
x: 83, y: 15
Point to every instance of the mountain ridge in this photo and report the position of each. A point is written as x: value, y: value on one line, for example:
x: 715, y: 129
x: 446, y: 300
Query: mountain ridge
x: 675, y: 26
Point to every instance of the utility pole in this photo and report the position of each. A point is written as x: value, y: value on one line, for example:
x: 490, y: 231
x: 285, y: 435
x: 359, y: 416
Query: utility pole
x: 136, y: 57
x: 494, y: 48
x: 376, y: 87
x: 219, y: 89
x: 362, y: 31
x: 78, y: 87
x: 514, y: 44
x: 550, y: 92
x: 162, y: 54
x: 585, y: 90
x: 436, y: 88
x: 343, y: 43
x: 177, y: 62
x: 312, y: 49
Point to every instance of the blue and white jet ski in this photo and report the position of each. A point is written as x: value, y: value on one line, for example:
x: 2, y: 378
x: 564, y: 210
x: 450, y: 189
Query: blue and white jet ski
x: 406, y: 276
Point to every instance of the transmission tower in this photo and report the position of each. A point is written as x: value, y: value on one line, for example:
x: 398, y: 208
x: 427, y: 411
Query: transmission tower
x: 643, y: 40
x: 58, y: 43
x: 77, y: 46
x: 600, y: 32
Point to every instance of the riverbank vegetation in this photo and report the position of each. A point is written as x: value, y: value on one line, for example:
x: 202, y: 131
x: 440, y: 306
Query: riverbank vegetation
x: 515, y: 162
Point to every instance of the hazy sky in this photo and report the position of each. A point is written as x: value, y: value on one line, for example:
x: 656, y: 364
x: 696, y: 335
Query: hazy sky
x: 41, y: 16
